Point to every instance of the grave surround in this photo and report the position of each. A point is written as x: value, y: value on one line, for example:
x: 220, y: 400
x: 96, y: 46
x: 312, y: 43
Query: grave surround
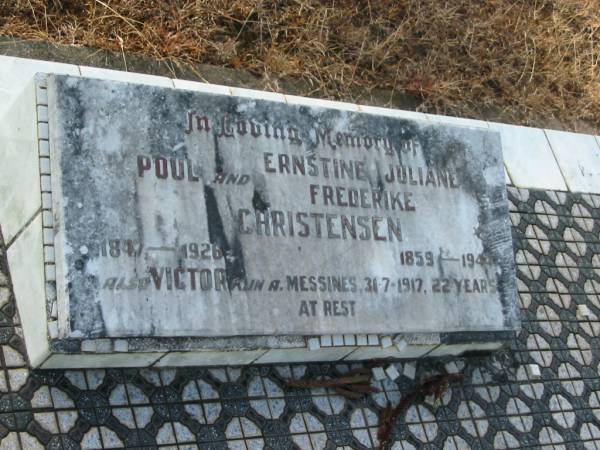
x: 333, y: 343
x: 543, y: 392
x: 85, y: 126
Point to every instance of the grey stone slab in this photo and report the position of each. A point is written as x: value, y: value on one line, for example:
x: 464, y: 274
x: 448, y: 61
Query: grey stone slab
x: 184, y: 213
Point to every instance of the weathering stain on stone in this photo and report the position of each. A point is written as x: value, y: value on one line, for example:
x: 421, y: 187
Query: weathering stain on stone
x: 209, y: 215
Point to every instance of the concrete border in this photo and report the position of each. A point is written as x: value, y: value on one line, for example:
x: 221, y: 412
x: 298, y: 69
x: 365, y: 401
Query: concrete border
x: 533, y: 158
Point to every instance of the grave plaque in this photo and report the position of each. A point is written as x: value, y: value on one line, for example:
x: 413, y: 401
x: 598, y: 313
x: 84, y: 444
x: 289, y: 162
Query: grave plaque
x: 181, y: 213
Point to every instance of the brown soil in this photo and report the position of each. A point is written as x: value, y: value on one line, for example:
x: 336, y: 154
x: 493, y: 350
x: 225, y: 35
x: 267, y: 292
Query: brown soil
x: 527, y: 61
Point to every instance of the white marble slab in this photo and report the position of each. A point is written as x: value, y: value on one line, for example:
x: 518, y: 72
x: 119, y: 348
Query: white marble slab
x: 410, y: 351
x: 209, y: 358
x: 128, y: 77
x: 260, y: 95
x: 26, y: 265
x: 89, y: 361
x: 528, y: 157
x: 303, y: 355
x: 458, y: 121
x: 202, y: 87
x: 19, y: 173
x: 578, y: 156
x: 320, y: 103
x: 399, y: 113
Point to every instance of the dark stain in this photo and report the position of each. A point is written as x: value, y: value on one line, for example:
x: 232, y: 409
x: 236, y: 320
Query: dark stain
x: 380, y: 186
x: 258, y: 203
x: 159, y: 222
x: 234, y: 258
x: 71, y: 101
x: 218, y: 158
x: 445, y: 151
x: 441, y: 148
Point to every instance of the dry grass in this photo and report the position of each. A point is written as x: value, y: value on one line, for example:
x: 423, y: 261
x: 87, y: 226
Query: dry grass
x: 523, y: 60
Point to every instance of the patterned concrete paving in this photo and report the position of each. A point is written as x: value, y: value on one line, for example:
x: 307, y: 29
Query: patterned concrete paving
x: 502, y: 403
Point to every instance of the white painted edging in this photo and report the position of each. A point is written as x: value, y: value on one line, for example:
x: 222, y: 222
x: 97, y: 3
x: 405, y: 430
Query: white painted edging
x: 528, y: 157
x: 18, y: 131
x: 128, y: 77
x: 578, y: 156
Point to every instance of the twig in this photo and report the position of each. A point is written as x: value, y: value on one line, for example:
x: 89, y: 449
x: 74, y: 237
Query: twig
x: 435, y: 385
x: 352, y: 386
x: 348, y: 393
